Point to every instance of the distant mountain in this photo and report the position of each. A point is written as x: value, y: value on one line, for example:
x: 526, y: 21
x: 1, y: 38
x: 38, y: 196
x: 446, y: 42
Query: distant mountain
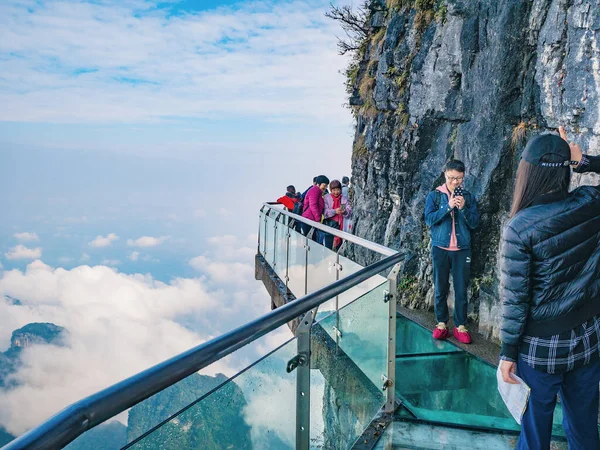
x: 30, y: 334
x: 214, y: 423
x: 33, y: 333
x: 107, y: 436
x: 5, y: 437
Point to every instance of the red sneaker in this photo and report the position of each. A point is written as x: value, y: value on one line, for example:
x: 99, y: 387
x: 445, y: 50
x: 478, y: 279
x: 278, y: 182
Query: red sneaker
x: 462, y: 335
x: 441, y: 331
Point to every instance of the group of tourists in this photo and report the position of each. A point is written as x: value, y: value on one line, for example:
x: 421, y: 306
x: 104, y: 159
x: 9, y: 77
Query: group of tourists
x: 550, y: 284
x: 330, y: 207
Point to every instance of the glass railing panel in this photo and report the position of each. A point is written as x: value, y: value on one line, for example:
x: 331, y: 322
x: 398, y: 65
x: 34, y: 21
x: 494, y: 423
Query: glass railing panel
x: 321, y: 272
x: 297, y: 263
x: 361, y: 331
x: 254, y: 409
x: 281, y: 250
x: 412, y: 338
x: 455, y: 389
x: 269, y: 253
x: 261, y: 233
x: 349, y: 267
x: 343, y: 400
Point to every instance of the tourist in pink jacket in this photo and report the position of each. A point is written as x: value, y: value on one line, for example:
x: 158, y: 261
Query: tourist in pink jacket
x: 314, y: 205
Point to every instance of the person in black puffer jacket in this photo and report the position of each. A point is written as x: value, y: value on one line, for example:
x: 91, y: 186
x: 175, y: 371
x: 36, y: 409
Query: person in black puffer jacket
x: 550, y: 278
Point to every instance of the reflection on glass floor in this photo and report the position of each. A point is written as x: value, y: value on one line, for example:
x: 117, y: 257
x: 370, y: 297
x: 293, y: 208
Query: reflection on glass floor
x: 439, y: 382
x: 406, y: 435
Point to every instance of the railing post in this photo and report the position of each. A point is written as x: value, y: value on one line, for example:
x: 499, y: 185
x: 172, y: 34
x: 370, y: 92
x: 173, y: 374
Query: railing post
x: 275, y: 227
x: 265, y: 234
x: 307, y: 247
x: 288, y: 236
x: 303, y: 381
x: 259, y: 224
x: 389, y: 386
x: 338, y: 269
x: 275, y: 241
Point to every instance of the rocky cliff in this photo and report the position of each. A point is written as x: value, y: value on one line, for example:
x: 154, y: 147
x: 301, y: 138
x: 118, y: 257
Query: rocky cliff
x: 473, y: 80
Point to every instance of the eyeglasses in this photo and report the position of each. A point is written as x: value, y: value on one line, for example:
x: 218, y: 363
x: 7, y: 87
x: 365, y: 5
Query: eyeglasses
x: 454, y: 178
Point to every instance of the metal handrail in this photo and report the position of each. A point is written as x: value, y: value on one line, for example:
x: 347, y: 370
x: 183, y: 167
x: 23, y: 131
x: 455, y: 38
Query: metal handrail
x: 91, y: 411
x: 381, y: 249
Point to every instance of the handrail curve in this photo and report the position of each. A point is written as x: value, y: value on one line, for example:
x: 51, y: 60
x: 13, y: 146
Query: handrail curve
x: 91, y: 411
x: 381, y: 249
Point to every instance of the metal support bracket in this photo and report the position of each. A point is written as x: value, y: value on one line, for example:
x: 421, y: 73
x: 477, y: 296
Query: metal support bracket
x: 337, y: 266
x: 337, y: 332
x: 387, y: 296
x: 390, y: 378
x: 386, y: 382
x: 303, y: 380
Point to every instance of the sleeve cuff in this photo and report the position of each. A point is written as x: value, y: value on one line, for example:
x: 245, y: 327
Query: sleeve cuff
x: 510, y: 352
x: 506, y: 358
x: 583, y: 166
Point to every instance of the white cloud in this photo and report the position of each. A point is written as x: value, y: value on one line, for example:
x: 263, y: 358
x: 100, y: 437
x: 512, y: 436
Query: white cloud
x: 133, y: 316
x: 22, y: 252
x: 1, y: 266
x: 102, y: 241
x: 111, y: 262
x: 227, y: 239
x: 133, y: 256
x: 229, y: 260
x: 65, y: 260
x: 147, y: 241
x: 232, y: 249
x: 135, y: 62
x: 224, y: 212
x: 84, y: 257
x: 25, y: 236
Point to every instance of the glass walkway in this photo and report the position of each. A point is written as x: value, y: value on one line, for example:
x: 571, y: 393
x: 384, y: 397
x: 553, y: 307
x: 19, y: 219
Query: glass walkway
x: 355, y: 375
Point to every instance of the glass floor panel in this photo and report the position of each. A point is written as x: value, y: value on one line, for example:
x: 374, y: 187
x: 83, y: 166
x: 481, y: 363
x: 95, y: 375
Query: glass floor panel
x: 412, y: 435
x: 412, y: 338
x: 441, y: 383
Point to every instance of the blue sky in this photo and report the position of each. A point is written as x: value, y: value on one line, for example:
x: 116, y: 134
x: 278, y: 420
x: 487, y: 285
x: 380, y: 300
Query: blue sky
x: 132, y: 113
x: 138, y: 140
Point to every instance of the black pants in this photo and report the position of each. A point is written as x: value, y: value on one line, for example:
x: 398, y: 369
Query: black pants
x: 459, y: 264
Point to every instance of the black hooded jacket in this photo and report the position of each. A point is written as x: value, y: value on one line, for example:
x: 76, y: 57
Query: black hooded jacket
x: 550, y: 265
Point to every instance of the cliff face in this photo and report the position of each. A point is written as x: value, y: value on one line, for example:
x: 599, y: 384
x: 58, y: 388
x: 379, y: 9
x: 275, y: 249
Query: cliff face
x: 470, y: 79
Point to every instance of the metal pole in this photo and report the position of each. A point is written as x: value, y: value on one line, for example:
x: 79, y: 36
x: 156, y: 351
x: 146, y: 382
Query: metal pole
x: 265, y: 249
x: 389, y: 385
x: 288, y: 235
x: 307, y: 247
x: 303, y: 381
x: 259, y: 223
x: 338, y: 268
x: 274, y: 242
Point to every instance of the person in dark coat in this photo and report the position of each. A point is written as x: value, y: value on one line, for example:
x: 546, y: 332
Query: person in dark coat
x: 550, y: 278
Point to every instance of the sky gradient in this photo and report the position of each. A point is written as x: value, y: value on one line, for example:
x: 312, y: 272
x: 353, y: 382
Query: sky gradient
x: 138, y: 140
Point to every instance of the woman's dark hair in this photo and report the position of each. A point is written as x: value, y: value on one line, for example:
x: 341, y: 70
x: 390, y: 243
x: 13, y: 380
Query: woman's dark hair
x: 455, y: 164
x: 533, y: 181
x: 335, y: 184
x: 322, y: 179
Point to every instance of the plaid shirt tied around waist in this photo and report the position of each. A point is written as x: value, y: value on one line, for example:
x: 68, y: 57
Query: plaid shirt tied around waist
x: 565, y: 351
